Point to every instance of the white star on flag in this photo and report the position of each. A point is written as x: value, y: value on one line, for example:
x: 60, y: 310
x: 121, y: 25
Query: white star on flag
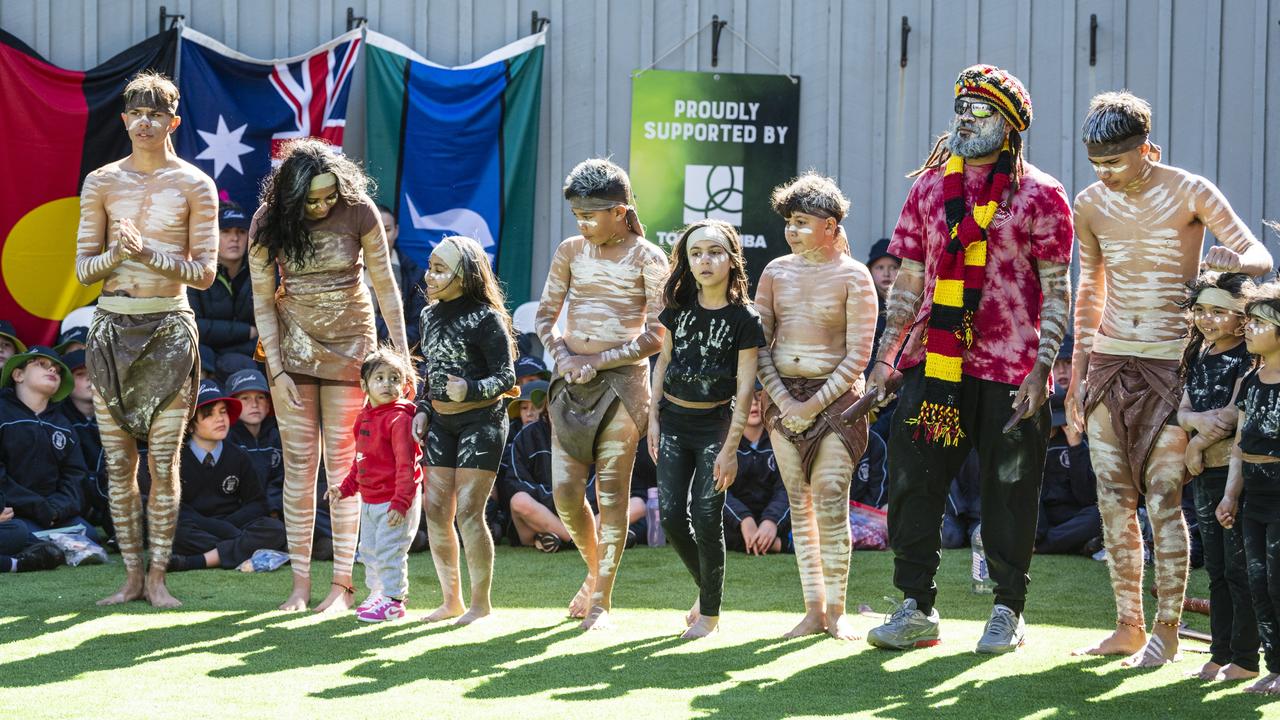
x: 224, y: 148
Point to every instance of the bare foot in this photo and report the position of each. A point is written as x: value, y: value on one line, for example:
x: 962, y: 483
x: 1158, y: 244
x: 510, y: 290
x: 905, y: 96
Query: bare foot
x: 1207, y: 671
x: 471, y: 615
x: 597, y: 619
x: 157, y: 592
x: 702, y: 627
x: 581, y: 602
x: 694, y: 614
x: 340, y: 598
x: 300, y: 598
x: 840, y: 628
x: 813, y: 623
x: 130, y: 591
x: 1126, y: 640
x: 1260, y: 686
x: 1161, y: 648
x: 1273, y: 688
x: 444, y: 612
x: 1231, y: 671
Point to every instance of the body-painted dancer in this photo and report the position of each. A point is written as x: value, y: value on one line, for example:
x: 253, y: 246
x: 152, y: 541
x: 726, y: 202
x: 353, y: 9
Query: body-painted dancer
x: 609, y: 281
x: 317, y: 229
x: 1141, y: 228
x: 1251, y: 501
x: 985, y: 241
x: 1216, y: 360
x: 148, y: 230
x: 708, y: 362
x: 467, y: 344
x: 818, y: 308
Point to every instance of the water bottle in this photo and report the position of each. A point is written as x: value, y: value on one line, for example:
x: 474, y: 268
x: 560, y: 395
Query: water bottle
x: 653, y: 517
x: 982, y: 584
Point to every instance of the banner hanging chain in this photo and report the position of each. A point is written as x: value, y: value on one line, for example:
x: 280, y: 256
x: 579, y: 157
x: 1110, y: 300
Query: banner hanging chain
x: 695, y: 33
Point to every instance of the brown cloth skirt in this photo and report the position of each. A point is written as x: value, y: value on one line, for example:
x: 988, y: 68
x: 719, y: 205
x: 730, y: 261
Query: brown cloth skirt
x: 139, y: 363
x: 325, y: 334
x: 853, y: 435
x: 1141, y: 395
x: 579, y: 411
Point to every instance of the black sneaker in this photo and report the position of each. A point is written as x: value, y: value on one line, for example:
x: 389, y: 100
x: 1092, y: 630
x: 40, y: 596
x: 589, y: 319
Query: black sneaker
x: 40, y: 556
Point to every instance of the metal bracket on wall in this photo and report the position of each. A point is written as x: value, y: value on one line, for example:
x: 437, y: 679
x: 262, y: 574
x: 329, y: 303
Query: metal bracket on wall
x: 353, y: 20
x: 717, y: 26
x: 906, y: 30
x: 172, y: 20
x: 1093, y: 40
x: 536, y: 23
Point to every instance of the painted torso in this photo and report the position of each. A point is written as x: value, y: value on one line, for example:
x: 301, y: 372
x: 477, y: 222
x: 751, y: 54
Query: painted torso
x: 808, y: 312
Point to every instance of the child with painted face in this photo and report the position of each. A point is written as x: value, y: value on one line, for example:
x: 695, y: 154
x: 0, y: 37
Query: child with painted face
x: 468, y: 351
x: 1251, y: 500
x: 702, y: 385
x: 386, y: 474
x: 608, y: 281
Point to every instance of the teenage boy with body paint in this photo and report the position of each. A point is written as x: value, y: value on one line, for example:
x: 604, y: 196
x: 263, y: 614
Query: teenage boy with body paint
x: 818, y: 308
x: 609, y: 279
x: 1141, y: 230
x: 148, y: 230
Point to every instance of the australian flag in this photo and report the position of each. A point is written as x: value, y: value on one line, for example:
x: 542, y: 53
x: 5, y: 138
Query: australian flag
x: 237, y: 111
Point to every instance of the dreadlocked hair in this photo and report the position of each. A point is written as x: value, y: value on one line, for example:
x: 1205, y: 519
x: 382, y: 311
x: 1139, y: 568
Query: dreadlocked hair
x: 681, y: 290
x: 941, y: 153
x: 1238, y: 284
x: 282, y: 229
x: 480, y: 285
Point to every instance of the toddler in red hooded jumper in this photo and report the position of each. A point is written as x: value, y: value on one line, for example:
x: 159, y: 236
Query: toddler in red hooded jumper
x: 387, y: 474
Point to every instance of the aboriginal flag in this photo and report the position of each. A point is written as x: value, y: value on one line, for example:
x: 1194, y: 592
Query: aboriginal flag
x: 57, y: 126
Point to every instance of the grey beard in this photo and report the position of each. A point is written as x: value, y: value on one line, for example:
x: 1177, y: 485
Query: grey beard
x: 986, y: 141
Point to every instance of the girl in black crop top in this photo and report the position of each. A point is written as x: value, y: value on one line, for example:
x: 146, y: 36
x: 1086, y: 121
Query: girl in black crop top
x: 1253, y: 483
x: 466, y: 341
x: 702, y: 384
x: 1216, y: 360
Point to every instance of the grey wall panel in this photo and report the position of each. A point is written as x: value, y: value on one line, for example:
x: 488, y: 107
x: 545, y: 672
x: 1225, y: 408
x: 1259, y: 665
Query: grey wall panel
x: 1211, y: 69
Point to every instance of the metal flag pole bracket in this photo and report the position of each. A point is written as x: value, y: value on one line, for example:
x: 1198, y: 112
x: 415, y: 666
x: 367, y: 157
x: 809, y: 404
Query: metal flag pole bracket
x: 717, y: 26
x: 1093, y: 40
x: 537, y: 22
x: 906, y: 32
x: 172, y: 20
x: 353, y: 20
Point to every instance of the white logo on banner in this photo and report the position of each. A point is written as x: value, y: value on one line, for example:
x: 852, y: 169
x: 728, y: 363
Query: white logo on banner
x: 713, y: 191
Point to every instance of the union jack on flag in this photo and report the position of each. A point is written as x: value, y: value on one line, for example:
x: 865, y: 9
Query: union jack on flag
x: 237, y: 111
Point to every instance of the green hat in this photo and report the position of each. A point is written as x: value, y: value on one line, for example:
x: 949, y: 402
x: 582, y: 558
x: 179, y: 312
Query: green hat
x: 534, y: 391
x: 35, y: 351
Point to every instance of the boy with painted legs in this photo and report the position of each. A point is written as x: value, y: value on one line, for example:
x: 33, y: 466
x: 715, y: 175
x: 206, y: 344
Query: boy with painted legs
x: 1141, y: 228
x: 818, y: 308
x: 610, y: 280
x: 148, y: 230
x: 985, y: 241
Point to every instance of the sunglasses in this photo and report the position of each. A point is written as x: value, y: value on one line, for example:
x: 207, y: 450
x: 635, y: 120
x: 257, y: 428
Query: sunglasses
x: 980, y: 109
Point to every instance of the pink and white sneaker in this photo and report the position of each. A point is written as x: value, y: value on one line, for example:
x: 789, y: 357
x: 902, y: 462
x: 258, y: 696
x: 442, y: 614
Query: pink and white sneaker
x: 385, y: 609
x: 369, y: 602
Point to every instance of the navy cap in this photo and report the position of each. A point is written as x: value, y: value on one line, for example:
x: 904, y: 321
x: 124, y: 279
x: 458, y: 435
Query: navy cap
x: 881, y: 249
x: 22, y: 358
x: 6, y: 329
x: 1068, y: 345
x: 247, y: 381
x: 74, y: 359
x: 231, y: 216
x: 211, y: 392
x: 529, y: 365
x: 77, y: 334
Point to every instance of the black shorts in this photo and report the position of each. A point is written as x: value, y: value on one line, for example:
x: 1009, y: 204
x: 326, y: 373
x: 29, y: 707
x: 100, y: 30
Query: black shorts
x: 473, y: 439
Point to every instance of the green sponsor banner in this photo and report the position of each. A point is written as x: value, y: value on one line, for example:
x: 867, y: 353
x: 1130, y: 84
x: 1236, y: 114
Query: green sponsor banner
x: 714, y: 145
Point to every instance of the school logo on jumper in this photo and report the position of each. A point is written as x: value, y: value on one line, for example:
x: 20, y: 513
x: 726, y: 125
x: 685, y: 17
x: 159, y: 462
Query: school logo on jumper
x: 713, y: 191
x: 59, y: 440
x: 230, y: 484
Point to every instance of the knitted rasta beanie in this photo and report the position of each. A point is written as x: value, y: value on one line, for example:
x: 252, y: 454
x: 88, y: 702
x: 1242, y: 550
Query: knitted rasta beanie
x: 1001, y: 88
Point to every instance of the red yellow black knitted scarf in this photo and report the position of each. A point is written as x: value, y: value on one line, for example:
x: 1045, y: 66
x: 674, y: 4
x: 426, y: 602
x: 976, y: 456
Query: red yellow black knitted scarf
x: 956, y: 296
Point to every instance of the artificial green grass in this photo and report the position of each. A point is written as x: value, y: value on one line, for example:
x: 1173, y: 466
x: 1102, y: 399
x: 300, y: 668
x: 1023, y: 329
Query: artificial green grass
x: 228, y: 654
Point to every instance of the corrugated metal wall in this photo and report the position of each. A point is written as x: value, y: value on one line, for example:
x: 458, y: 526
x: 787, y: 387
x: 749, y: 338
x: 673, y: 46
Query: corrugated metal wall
x: 1211, y: 69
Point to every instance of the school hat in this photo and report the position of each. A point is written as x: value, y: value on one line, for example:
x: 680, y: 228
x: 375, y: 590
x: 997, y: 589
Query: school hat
x: 77, y: 334
x: 6, y: 329
x: 534, y: 391
x: 35, y: 351
x: 211, y: 392
x: 231, y: 216
x: 1067, y: 347
x: 248, y: 380
x: 879, y: 250
x: 529, y: 365
x: 74, y: 359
